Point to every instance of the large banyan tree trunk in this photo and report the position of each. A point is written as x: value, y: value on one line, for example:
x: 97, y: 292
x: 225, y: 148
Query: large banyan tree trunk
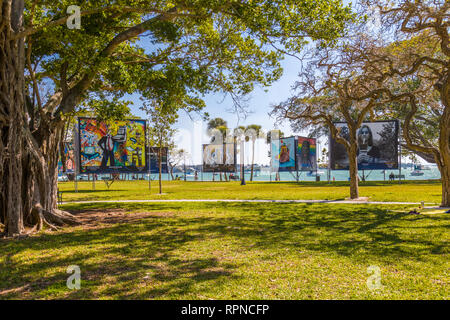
x: 12, y: 97
x: 46, y: 140
x: 444, y: 143
x: 445, y: 176
x: 28, y: 159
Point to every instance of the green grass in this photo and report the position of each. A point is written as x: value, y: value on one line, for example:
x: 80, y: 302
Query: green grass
x: 235, y: 251
x: 410, y: 191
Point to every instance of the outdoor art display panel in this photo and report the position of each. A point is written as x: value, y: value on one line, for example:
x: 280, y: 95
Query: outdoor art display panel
x: 377, y: 146
x: 112, y: 147
x: 283, y: 153
x: 154, y: 160
x: 306, y: 154
x: 69, y: 159
x: 230, y: 155
x: 219, y: 157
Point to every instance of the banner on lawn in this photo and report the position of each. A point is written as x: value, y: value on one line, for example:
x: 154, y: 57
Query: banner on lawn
x: 219, y: 157
x: 306, y: 154
x: 112, y: 147
x: 283, y: 154
x: 69, y: 159
x: 377, y: 146
x: 154, y: 160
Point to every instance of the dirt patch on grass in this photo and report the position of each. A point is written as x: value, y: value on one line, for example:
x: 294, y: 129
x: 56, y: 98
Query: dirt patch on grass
x: 94, y: 218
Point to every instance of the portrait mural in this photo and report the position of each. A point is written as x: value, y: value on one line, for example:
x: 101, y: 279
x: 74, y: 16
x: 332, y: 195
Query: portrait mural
x: 283, y: 153
x: 306, y: 154
x: 377, y: 146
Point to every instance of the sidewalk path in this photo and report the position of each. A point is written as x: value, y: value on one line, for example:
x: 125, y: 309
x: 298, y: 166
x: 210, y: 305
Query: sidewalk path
x: 243, y: 200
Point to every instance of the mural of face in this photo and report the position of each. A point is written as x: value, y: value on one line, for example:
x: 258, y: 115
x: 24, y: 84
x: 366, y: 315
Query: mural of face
x: 284, y: 154
x: 365, y: 137
x: 305, y: 149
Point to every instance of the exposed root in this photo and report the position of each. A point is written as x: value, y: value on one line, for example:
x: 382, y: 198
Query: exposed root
x: 50, y: 226
x: 35, y: 219
x: 33, y: 230
x: 53, y: 219
x: 60, y: 218
x: 38, y: 217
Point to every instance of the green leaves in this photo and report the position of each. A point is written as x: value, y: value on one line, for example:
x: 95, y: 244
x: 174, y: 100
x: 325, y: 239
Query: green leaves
x: 105, y: 109
x: 185, y: 49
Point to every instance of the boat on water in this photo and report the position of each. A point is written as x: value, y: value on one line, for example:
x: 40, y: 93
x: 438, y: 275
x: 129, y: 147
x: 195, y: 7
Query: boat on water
x: 422, y: 167
x: 417, y: 171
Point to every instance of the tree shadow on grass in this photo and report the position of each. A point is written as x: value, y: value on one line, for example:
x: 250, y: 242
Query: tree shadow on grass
x: 373, y: 231
x: 146, y: 258
x: 356, y: 231
x: 115, y: 261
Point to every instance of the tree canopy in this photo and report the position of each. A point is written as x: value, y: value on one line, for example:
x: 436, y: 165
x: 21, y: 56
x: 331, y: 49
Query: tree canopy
x: 171, y: 50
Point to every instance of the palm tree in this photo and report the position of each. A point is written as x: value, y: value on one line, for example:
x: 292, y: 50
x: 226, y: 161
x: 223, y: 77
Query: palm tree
x: 269, y: 135
x: 221, y: 125
x: 216, y: 124
x: 237, y: 133
x: 255, y: 130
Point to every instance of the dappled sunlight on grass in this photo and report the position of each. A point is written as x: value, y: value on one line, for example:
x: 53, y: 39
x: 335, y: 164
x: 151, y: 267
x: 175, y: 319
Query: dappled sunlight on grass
x: 233, y: 250
x: 411, y: 191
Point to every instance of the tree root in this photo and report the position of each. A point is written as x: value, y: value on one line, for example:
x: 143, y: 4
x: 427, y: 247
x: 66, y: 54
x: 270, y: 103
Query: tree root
x: 53, y: 219
x: 38, y: 218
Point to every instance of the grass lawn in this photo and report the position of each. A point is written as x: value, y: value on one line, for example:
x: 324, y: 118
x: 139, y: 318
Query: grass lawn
x: 410, y: 191
x: 236, y: 250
